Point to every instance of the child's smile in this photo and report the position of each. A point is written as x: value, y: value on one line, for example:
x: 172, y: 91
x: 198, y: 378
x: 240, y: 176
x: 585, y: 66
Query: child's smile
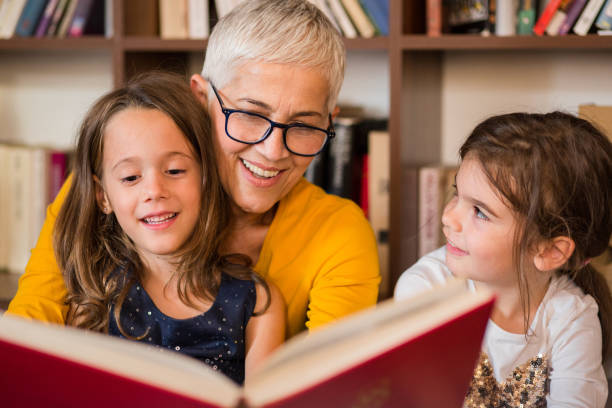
x: 151, y: 180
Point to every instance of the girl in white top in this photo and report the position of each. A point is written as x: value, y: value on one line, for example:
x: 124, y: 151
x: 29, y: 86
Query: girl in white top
x: 532, y: 207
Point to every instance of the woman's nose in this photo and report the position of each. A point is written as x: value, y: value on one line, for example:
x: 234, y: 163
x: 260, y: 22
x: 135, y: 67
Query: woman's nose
x: 273, y: 147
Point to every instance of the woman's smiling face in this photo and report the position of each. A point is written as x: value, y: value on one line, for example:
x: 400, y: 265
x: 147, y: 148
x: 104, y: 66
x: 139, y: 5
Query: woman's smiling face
x: 258, y: 176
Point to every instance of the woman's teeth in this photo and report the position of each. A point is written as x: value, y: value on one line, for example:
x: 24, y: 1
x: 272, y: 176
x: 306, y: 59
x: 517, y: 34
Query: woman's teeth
x: 259, y: 172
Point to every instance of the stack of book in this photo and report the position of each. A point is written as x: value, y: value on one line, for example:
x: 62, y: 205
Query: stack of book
x: 30, y: 178
x: 525, y: 17
x: 357, y: 18
x: 54, y: 18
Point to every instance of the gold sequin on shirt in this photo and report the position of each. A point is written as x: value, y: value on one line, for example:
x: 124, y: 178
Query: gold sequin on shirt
x: 526, y: 387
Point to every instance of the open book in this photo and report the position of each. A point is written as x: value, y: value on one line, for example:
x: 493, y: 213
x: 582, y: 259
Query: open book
x: 419, y: 352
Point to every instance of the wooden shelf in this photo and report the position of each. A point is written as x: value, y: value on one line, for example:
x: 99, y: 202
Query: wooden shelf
x: 57, y: 44
x: 463, y: 42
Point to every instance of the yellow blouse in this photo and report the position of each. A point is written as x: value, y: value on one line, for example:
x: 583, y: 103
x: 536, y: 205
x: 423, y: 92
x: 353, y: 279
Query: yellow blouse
x: 319, y: 250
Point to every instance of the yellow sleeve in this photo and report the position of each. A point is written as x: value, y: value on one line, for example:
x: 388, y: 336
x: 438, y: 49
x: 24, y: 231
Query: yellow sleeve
x: 42, y: 291
x: 349, y: 277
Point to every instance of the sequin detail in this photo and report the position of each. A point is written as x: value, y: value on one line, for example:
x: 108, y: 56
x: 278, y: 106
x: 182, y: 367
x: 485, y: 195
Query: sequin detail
x: 526, y: 387
x: 215, y: 337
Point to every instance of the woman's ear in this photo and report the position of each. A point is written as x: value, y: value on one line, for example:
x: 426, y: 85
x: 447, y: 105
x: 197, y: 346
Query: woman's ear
x: 554, y: 253
x: 335, y: 112
x: 101, y: 197
x: 199, y: 87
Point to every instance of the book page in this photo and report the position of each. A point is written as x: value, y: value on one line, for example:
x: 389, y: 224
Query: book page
x: 311, y: 358
x: 159, y: 367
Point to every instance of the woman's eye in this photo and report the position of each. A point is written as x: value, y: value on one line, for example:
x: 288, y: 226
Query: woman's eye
x: 480, y: 214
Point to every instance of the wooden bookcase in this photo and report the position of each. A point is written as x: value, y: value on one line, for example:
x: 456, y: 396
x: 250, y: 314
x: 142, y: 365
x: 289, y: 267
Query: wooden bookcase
x: 415, y: 63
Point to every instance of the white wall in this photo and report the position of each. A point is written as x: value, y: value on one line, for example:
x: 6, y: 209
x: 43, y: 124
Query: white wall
x: 44, y: 95
x: 366, y: 82
x: 477, y: 85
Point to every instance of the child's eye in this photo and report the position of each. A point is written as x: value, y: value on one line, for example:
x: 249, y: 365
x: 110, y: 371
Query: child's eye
x: 129, y: 179
x: 480, y: 214
x: 176, y: 171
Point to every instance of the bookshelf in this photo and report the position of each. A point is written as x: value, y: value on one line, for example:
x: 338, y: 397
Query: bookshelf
x: 415, y: 61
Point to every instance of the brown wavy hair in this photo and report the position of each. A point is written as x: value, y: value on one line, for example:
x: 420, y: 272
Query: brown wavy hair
x: 92, y: 250
x: 555, y: 171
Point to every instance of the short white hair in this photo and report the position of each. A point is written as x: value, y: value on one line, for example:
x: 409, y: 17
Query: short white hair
x: 275, y: 31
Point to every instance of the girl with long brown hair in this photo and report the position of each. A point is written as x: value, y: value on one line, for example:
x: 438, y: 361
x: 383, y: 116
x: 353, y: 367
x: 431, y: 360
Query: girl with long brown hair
x: 138, y: 238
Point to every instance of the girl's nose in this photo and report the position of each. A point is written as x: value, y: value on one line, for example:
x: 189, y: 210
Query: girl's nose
x: 450, y: 215
x: 154, y: 187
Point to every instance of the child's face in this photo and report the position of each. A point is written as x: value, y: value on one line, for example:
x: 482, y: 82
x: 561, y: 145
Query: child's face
x: 150, y: 180
x: 479, y: 229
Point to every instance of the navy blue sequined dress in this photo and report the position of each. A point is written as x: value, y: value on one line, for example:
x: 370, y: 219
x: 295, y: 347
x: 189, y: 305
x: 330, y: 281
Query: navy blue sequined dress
x: 215, y: 337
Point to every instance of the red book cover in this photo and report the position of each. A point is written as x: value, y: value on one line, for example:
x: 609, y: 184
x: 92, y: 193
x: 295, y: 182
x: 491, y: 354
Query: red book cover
x: 540, y: 26
x: 419, y: 352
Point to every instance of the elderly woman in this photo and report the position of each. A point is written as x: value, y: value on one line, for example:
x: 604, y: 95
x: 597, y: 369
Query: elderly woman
x: 270, y: 81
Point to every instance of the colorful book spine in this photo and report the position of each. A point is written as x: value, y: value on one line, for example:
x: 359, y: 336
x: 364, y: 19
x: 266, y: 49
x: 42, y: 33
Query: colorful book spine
x: 572, y: 16
x: 587, y: 18
x: 10, y: 13
x: 540, y: 26
x: 45, y: 20
x: 58, y: 14
x: 360, y: 19
x: 604, y: 19
x: 30, y: 16
x: 526, y: 18
x: 378, y: 14
x: 433, y: 13
x: 558, y: 18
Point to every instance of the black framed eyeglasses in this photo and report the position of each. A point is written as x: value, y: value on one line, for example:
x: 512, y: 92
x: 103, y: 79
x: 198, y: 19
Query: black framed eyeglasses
x: 252, y: 128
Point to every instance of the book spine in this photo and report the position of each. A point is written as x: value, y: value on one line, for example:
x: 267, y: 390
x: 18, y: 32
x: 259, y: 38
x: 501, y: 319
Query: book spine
x: 586, y: 19
x: 81, y: 13
x: 57, y: 173
x: 62, y: 29
x: 434, y: 17
x: 60, y: 10
x: 379, y: 154
x: 429, y: 216
x: 540, y: 26
x: 526, y: 18
x: 359, y: 18
x: 12, y: 13
x: 20, y: 198
x: 30, y: 16
x: 505, y: 18
x: 4, y: 206
x: 343, y: 19
x: 376, y: 10
x: 40, y: 184
x: 45, y: 20
x: 173, y: 19
x: 604, y: 19
x: 199, y: 25
x: 340, y: 155
x: 558, y: 18
x: 572, y: 16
